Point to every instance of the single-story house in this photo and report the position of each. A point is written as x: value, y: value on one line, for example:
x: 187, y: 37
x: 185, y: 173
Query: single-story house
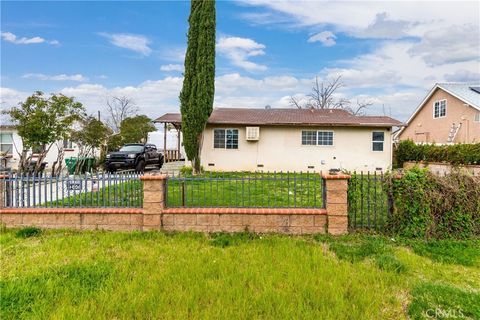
x: 238, y: 139
x: 450, y: 113
x: 11, y: 145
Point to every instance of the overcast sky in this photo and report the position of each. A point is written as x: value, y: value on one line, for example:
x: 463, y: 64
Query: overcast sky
x: 390, y: 53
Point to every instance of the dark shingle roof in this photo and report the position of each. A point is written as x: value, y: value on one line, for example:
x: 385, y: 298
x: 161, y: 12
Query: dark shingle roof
x: 293, y: 117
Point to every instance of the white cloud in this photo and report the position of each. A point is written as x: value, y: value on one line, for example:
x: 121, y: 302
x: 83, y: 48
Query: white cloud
x: 134, y: 42
x: 154, y: 97
x: 327, y: 38
x: 463, y: 75
x: 10, y: 97
x: 57, y: 77
x: 449, y: 45
x: 171, y: 67
x: 383, y: 27
x: 383, y: 19
x: 10, y: 37
x: 239, y: 50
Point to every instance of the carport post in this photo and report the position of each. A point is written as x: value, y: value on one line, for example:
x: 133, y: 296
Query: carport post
x: 178, y: 143
x: 165, y: 142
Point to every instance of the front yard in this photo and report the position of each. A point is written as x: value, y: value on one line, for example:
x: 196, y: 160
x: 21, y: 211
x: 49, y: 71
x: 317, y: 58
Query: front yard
x: 113, y: 275
x: 212, y: 189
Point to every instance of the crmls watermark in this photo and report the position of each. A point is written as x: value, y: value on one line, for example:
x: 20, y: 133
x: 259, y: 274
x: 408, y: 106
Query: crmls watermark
x: 441, y: 314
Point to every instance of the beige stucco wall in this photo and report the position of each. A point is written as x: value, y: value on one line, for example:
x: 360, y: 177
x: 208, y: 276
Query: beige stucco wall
x: 424, y: 128
x: 280, y: 148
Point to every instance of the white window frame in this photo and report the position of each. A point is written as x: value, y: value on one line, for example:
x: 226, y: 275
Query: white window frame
x: 11, y: 143
x: 316, y: 138
x: 225, y: 144
x: 439, y: 110
x: 376, y: 141
x: 476, y: 117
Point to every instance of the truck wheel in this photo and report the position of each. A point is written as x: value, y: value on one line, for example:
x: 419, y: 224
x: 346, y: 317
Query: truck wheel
x: 112, y: 170
x: 160, y: 163
x: 140, y: 166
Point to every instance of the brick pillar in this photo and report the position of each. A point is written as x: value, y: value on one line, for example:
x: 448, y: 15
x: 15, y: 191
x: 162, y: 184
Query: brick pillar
x: 336, y: 203
x: 154, y: 187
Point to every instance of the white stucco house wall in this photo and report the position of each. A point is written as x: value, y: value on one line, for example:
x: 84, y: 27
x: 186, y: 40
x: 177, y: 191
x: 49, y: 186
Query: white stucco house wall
x: 11, y: 146
x: 237, y: 139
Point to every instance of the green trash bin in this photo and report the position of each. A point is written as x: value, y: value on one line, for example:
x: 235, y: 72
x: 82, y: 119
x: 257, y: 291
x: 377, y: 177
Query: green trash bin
x: 71, y: 163
x: 86, y: 167
x: 88, y: 164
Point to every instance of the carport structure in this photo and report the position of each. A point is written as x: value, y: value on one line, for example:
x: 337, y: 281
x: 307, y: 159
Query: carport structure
x: 175, y: 120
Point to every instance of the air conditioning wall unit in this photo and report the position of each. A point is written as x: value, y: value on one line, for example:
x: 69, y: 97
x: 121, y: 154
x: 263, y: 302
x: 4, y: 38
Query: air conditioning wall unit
x: 253, y: 133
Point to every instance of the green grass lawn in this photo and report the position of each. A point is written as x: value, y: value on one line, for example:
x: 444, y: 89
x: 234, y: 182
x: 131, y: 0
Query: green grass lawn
x: 231, y: 189
x: 118, y: 194
x: 113, y: 275
x: 246, y: 189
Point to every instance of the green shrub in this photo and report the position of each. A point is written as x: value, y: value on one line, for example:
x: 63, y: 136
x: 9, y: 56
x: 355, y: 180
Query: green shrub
x: 188, y: 170
x: 426, y: 205
x: 389, y: 262
x: 463, y: 252
x: 228, y: 239
x: 456, y: 154
x: 28, y: 232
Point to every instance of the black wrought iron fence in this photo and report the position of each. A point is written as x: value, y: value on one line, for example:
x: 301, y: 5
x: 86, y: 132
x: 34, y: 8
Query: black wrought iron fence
x: 369, y: 206
x: 91, y: 190
x: 242, y: 189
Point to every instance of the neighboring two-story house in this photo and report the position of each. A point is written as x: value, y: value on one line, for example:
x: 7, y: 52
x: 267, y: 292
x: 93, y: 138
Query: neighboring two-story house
x: 450, y: 113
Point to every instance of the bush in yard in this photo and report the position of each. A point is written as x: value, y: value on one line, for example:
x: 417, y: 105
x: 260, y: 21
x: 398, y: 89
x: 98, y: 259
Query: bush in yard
x: 28, y: 232
x: 457, y: 154
x: 426, y: 205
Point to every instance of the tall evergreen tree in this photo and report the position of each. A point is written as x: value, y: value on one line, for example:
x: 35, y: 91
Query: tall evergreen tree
x: 196, y: 97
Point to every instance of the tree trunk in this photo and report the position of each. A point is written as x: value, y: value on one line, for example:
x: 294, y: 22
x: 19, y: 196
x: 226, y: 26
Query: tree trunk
x: 24, y: 161
x: 57, y: 170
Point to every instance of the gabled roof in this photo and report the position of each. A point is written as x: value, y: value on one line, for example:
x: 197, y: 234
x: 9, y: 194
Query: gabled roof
x: 462, y: 91
x: 293, y: 117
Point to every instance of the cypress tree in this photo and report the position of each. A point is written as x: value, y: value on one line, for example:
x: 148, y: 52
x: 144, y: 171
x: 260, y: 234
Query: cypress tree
x: 196, y: 97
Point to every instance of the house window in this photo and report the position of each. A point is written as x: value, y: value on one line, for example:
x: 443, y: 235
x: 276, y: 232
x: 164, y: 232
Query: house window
x: 440, y: 109
x: 325, y: 138
x: 378, y: 138
x: 317, y: 138
x: 225, y: 138
x: 6, y: 143
x: 67, y: 144
x: 477, y: 117
x: 309, y: 138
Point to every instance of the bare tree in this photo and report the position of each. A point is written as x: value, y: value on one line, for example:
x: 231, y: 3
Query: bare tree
x: 360, y: 108
x: 323, y: 96
x: 119, y: 108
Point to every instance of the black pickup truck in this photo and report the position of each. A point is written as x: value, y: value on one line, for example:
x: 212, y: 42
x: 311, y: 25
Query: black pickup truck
x: 134, y: 156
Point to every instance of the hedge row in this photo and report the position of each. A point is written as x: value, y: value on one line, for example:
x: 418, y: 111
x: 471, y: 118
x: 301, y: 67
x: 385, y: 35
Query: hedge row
x: 456, y: 154
x: 429, y: 206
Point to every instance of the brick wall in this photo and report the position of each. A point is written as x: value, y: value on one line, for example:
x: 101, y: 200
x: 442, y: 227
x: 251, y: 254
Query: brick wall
x: 124, y: 219
x: 155, y: 216
x: 291, y: 221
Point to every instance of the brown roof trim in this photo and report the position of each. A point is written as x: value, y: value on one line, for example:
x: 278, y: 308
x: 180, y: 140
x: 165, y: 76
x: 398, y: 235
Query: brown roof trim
x: 169, y: 118
x: 288, y: 117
